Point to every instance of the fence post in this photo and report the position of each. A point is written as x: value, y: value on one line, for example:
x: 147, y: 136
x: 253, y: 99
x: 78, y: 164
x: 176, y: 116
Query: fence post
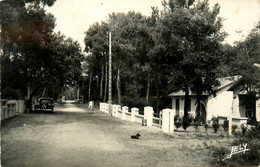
x: 107, y: 108
x: 14, y: 109
x: 124, y: 110
x: 118, y: 109
x: 100, y: 106
x: 148, y: 115
x: 4, y: 112
x: 113, y: 110
x: 17, y: 107
x: 21, y: 106
x: 160, y: 119
x: 134, y: 112
x: 103, y: 107
x: 168, y: 121
x: 8, y: 111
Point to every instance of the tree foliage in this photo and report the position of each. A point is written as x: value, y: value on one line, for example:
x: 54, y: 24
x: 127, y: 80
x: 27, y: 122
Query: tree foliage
x: 40, y: 61
x: 243, y: 60
x: 178, y: 48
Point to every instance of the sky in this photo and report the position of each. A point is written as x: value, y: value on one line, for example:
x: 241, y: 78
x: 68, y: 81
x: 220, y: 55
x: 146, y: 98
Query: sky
x: 73, y: 17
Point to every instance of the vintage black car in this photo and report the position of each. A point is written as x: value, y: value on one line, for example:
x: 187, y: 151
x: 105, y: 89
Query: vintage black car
x: 45, y: 104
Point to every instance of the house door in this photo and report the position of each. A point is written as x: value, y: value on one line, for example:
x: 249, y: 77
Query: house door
x: 201, y: 112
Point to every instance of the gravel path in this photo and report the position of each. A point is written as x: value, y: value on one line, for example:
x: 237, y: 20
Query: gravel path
x: 73, y: 136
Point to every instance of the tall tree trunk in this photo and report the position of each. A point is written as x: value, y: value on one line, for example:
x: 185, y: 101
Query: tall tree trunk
x: 148, y: 88
x: 78, y: 94
x: 28, y: 91
x: 186, y: 100
x: 29, y: 96
x: 28, y: 102
x: 44, y: 92
x: 118, y: 86
x: 199, y: 114
x: 186, y: 122
x: 53, y: 89
x: 82, y: 91
x: 105, y: 92
x: 101, y: 83
x: 157, y: 96
x: 89, y: 86
x: 97, y: 83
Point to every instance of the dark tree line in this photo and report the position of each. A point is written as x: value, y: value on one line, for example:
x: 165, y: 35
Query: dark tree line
x: 35, y: 61
x: 178, y: 48
x: 243, y: 59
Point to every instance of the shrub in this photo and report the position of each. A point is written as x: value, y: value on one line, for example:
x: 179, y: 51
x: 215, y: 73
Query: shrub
x: 219, y: 153
x: 135, y: 102
x: 197, y: 122
x: 251, y: 157
x: 10, y: 93
x: 186, y: 122
x: 215, y: 124
x: 196, y: 125
x: 254, y: 133
x: 177, y: 121
x: 206, y: 126
x: 234, y: 127
x: 244, y: 129
x: 225, y: 125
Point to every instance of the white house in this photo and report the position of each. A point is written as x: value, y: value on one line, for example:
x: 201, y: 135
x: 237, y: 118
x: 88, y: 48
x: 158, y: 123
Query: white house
x: 229, y: 101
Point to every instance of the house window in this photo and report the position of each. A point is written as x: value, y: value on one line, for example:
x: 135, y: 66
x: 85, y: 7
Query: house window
x: 177, y: 107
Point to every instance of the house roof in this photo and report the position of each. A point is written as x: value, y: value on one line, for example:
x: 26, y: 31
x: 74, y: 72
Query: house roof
x: 224, y: 82
x: 227, y: 81
x: 182, y: 93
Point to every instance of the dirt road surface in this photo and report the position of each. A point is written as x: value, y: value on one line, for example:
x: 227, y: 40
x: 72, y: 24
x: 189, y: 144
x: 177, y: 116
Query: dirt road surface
x: 74, y: 137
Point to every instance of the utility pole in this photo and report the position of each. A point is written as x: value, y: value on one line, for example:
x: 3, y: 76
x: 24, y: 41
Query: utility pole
x: 110, y: 72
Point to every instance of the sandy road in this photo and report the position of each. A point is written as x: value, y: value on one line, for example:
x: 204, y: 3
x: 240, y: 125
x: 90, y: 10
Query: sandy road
x: 76, y: 137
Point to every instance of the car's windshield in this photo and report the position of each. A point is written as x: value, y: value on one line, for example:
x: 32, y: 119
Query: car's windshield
x: 45, y: 101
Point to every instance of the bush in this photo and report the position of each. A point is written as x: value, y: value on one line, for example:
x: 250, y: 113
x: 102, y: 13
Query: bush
x: 177, y: 121
x: 244, y: 129
x: 206, y: 126
x: 234, y: 127
x: 9, y: 93
x: 254, y: 133
x: 186, y: 122
x: 197, y: 122
x: 135, y: 102
x: 219, y: 153
x: 251, y: 157
x: 196, y: 125
x: 215, y: 124
x: 225, y: 125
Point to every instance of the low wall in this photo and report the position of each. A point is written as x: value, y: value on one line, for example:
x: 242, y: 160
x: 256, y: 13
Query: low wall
x: 139, y: 118
x: 128, y: 116
x: 235, y: 120
x: 10, y: 108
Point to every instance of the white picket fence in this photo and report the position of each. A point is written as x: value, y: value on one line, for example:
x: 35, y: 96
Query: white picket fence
x: 10, y: 108
x: 165, y: 121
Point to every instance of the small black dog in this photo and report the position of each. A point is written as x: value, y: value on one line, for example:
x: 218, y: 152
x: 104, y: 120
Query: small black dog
x: 137, y: 136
